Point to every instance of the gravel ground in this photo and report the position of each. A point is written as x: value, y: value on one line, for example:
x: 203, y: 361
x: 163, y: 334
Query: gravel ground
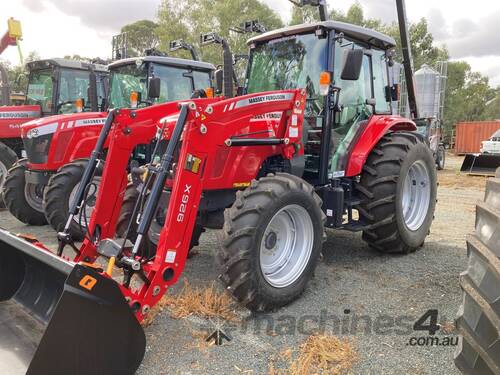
x: 385, y: 294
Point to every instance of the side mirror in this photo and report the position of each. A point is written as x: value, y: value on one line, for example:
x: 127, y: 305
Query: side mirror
x: 392, y: 93
x: 353, y: 61
x: 154, y: 87
x: 219, y: 81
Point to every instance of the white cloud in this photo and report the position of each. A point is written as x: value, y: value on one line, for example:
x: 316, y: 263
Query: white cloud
x: 65, y: 27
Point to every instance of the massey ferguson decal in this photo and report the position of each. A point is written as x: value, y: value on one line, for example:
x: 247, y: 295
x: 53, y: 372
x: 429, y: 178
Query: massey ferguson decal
x: 90, y: 122
x: 19, y: 115
x: 259, y: 99
x: 271, y: 116
x: 51, y: 128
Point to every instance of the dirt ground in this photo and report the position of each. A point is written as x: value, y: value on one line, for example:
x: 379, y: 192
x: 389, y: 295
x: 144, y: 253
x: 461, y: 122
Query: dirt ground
x: 372, y: 300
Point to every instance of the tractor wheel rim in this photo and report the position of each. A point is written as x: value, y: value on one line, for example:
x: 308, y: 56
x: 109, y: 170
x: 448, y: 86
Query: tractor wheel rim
x: 3, y: 175
x: 89, y: 207
x: 33, y: 193
x: 416, y: 195
x: 286, y: 246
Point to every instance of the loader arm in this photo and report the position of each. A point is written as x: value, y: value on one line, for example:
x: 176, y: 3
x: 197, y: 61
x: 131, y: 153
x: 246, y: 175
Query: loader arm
x: 209, y: 125
x: 222, y: 120
x: 95, y: 326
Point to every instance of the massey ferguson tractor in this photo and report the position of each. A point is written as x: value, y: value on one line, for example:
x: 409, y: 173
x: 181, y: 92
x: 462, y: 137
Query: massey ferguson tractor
x: 311, y: 144
x: 55, y: 86
x: 39, y: 189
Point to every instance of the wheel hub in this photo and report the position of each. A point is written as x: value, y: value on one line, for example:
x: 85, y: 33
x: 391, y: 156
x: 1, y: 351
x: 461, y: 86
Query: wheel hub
x: 270, y: 240
x: 416, y: 195
x: 33, y: 193
x: 286, y: 246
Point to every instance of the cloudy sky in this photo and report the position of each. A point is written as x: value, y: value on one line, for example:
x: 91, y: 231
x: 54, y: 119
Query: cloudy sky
x: 471, y: 31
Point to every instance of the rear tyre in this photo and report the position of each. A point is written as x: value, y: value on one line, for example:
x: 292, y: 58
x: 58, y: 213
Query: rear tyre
x: 478, y: 320
x: 149, y: 244
x: 22, y: 199
x: 7, y: 160
x: 440, y: 158
x: 398, y: 186
x: 272, y: 239
x: 60, y: 192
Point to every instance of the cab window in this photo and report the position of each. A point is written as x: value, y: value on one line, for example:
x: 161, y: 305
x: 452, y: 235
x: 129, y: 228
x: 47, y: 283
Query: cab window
x: 380, y: 81
x: 40, y: 89
x: 74, y: 84
x: 201, y: 80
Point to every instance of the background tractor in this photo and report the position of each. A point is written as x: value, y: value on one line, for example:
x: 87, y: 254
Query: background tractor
x: 272, y: 168
x: 55, y: 86
x: 40, y: 188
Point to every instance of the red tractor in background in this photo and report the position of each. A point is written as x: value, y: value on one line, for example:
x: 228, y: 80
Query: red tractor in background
x: 40, y: 188
x: 271, y: 168
x: 55, y: 86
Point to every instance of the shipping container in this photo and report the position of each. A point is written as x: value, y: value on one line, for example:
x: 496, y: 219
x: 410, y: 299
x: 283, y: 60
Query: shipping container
x: 469, y: 135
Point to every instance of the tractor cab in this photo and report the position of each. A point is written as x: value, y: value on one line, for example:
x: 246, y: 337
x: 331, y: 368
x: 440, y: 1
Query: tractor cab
x: 60, y: 86
x: 345, y: 71
x: 139, y: 82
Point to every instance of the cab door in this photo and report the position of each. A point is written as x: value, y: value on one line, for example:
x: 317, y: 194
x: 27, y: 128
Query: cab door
x: 358, y: 101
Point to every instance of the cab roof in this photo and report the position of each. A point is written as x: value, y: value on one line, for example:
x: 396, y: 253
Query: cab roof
x: 358, y: 33
x: 65, y: 63
x: 163, y: 60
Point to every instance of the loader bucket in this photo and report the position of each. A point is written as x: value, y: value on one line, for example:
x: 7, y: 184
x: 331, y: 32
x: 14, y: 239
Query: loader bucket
x: 480, y: 164
x: 60, y: 318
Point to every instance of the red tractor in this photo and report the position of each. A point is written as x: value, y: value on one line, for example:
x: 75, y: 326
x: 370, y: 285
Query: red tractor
x: 40, y: 188
x: 54, y: 87
x: 271, y: 168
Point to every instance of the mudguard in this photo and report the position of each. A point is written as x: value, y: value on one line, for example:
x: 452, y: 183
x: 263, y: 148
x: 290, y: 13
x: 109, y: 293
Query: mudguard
x: 377, y: 127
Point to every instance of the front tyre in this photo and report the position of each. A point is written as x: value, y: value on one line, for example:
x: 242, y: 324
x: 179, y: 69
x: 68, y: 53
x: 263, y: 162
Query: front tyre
x: 398, y: 186
x: 61, y: 191
x: 23, y: 200
x: 272, y: 239
x: 7, y: 160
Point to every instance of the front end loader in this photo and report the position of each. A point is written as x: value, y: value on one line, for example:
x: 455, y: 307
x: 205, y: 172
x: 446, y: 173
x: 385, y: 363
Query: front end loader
x: 271, y: 168
x: 89, y: 316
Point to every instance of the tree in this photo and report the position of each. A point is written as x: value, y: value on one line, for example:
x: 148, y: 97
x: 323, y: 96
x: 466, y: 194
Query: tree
x: 355, y: 15
x: 305, y: 14
x: 18, y: 76
x: 467, y: 96
x: 141, y: 35
x: 187, y: 19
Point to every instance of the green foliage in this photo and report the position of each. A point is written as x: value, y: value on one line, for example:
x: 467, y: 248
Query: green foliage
x: 141, y: 35
x: 305, y: 14
x: 187, y: 19
x: 18, y: 76
x: 469, y: 96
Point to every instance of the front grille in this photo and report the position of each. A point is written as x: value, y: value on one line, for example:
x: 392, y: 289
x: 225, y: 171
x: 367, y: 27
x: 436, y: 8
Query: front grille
x: 37, y: 148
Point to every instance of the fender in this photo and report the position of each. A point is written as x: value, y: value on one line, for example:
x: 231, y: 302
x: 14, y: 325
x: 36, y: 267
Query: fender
x: 377, y: 127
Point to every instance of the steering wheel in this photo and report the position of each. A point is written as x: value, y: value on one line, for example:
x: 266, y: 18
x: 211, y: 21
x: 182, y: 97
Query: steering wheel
x: 199, y: 94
